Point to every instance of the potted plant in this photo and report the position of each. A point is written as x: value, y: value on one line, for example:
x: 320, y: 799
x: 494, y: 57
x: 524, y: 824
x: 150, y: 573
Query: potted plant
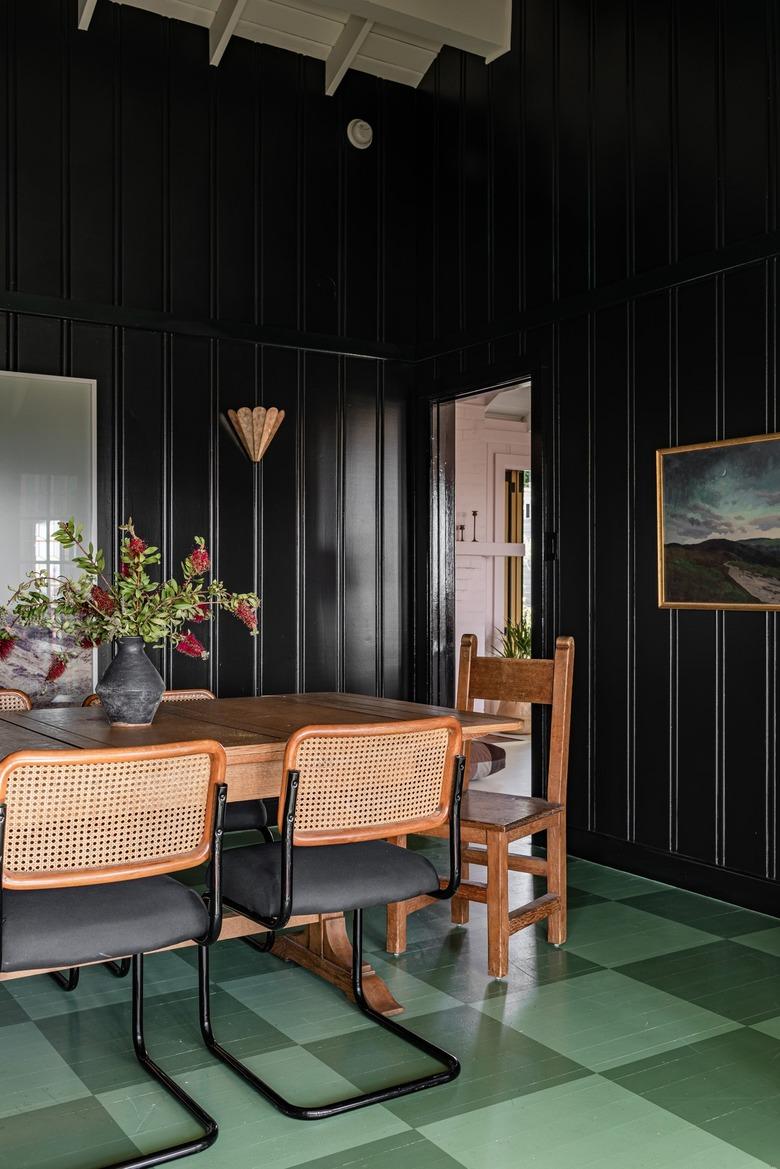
x: 515, y: 643
x: 129, y: 610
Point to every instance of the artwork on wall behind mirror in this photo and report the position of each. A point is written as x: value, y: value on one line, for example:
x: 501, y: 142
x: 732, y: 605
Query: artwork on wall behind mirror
x: 719, y: 524
x: 47, y: 473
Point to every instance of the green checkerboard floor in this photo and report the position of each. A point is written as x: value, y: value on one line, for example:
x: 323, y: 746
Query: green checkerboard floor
x: 652, y: 1039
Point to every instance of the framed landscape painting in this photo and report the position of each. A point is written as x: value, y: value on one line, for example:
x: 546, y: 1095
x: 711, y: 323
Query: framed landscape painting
x: 719, y: 524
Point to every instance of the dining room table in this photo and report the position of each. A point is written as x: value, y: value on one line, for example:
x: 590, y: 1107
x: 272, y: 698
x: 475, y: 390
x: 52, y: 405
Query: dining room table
x: 254, y: 732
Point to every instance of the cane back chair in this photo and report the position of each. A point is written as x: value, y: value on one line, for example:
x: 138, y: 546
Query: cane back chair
x: 88, y: 840
x: 491, y: 821
x: 345, y: 790
x: 15, y: 700
x: 243, y: 815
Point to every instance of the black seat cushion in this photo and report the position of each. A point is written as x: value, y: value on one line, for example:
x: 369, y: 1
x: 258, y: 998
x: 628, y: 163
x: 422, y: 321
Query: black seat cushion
x: 65, y: 927
x: 326, y: 878
x: 247, y: 814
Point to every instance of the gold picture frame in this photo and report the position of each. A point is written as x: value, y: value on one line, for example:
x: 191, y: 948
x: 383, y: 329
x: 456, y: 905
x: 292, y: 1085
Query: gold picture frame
x: 727, y: 493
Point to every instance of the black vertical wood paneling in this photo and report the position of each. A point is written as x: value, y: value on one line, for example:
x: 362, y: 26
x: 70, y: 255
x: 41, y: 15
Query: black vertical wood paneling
x: 646, y: 138
x: 190, y: 207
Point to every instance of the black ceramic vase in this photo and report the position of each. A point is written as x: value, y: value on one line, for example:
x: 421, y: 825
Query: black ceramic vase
x: 131, y: 689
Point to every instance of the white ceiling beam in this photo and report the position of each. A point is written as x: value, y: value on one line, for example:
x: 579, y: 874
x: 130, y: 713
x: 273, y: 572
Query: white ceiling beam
x: 222, y: 27
x: 86, y: 9
x: 344, y: 51
x: 476, y: 26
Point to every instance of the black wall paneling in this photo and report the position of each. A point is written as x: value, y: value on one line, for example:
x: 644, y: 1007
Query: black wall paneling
x: 628, y: 195
x: 197, y: 239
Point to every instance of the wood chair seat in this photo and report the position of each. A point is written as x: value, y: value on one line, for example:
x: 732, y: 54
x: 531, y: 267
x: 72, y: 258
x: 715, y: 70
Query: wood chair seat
x: 491, y: 821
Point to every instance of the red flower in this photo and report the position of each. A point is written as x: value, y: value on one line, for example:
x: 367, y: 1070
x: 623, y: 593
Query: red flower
x: 191, y: 647
x: 136, y: 545
x: 56, y: 669
x: 200, y: 561
x: 88, y: 643
x: 124, y: 569
x: 6, y: 645
x: 247, y: 614
x: 101, y: 600
x: 202, y: 613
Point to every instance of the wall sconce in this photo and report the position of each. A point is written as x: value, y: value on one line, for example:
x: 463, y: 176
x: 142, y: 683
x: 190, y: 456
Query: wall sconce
x: 256, y: 428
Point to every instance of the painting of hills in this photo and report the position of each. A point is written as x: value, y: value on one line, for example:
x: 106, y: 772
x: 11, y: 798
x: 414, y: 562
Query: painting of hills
x: 719, y: 525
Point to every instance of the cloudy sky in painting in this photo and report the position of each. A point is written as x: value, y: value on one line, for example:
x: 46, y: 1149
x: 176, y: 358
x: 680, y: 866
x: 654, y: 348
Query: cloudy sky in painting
x: 730, y: 493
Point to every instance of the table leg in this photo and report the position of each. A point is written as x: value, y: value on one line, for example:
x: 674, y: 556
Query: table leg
x: 325, y: 948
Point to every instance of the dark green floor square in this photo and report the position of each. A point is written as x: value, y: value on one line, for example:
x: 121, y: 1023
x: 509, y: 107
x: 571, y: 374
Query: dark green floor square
x: 704, y: 913
x: 77, y: 1135
x: 728, y: 1085
x: 97, y: 1043
x: 10, y: 1010
x: 496, y: 1064
x: 734, y: 981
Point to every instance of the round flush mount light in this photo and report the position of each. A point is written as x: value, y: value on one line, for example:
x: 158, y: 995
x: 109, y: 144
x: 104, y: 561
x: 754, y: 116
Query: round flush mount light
x: 360, y: 134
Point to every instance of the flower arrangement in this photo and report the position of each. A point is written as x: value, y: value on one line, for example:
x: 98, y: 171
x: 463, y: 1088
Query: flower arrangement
x: 93, y: 609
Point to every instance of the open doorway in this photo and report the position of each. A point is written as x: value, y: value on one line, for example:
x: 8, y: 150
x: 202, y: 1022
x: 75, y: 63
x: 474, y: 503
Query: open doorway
x: 493, y: 555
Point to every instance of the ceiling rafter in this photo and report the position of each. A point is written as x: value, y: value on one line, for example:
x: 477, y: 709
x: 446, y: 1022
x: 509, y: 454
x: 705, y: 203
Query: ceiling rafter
x: 85, y: 10
x: 344, y: 51
x: 223, y: 26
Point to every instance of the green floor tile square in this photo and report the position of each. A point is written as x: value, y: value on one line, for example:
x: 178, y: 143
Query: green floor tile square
x: 97, y: 1042
x: 588, y: 1123
x: 612, y: 884
x: 11, y: 1010
x: 612, y: 933
x: 409, y: 1150
x: 604, y: 1019
x: 767, y: 940
x: 299, y: 1004
x: 704, y: 913
x: 76, y: 1135
x: 733, y: 980
x: 496, y: 1063
x: 728, y: 1086
x: 253, y: 1135
x: 32, y: 1073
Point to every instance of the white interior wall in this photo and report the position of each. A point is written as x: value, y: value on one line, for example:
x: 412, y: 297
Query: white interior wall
x: 478, y: 440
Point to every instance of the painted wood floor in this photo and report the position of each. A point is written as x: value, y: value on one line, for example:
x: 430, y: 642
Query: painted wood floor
x: 651, y: 1040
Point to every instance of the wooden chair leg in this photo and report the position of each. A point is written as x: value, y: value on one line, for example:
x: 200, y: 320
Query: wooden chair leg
x: 498, y: 904
x: 556, y: 879
x: 459, y: 909
x: 395, y: 940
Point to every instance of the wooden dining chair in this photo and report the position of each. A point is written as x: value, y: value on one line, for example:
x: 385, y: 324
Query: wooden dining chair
x: 492, y: 821
x: 88, y: 842
x: 345, y: 789
x: 15, y: 700
x: 240, y: 816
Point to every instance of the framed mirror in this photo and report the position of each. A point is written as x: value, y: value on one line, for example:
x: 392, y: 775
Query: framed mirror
x: 47, y: 473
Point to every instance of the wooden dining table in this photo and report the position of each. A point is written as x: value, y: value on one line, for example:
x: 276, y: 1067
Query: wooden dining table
x: 254, y: 733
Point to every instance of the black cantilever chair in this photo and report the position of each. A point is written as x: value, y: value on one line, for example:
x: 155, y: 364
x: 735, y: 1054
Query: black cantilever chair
x: 346, y: 790
x: 87, y: 842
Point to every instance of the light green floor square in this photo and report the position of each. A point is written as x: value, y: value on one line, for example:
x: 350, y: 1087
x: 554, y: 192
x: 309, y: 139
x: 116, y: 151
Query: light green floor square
x: 586, y: 1123
x: 605, y: 1019
x: 610, y: 883
x: 611, y: 934
x: 767, y: 940
x: 32, y: 1073
x: 253, y: 1134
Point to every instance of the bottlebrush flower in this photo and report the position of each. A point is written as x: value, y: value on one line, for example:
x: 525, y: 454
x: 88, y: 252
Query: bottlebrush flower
x: 246, y: 613
x: 136, y: 546
x: 6, y: 646
x: 191, y: 647
x: 57, y: 668
x: 199, y: 558
x: 202, y: 613
x: 88, y: 643
x: 101, y: 600
x: 124, y: 569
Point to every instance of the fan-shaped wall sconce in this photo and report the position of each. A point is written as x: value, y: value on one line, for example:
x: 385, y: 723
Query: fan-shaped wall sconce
x: 256, y: 428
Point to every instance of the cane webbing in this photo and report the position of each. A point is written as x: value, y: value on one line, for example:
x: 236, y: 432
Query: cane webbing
x: 352, y: 782
x: 12, y: 700
x: 168, y: 696
x: 89, y: 816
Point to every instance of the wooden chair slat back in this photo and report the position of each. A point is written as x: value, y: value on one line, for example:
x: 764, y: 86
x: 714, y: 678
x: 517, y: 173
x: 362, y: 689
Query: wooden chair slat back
x: 97, y: 816
x: 194, y: 695
x: 546, y: 681
x: 370, y: 781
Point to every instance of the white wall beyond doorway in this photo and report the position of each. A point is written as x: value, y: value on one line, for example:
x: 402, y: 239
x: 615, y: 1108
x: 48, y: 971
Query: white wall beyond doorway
x: 485, y: 446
